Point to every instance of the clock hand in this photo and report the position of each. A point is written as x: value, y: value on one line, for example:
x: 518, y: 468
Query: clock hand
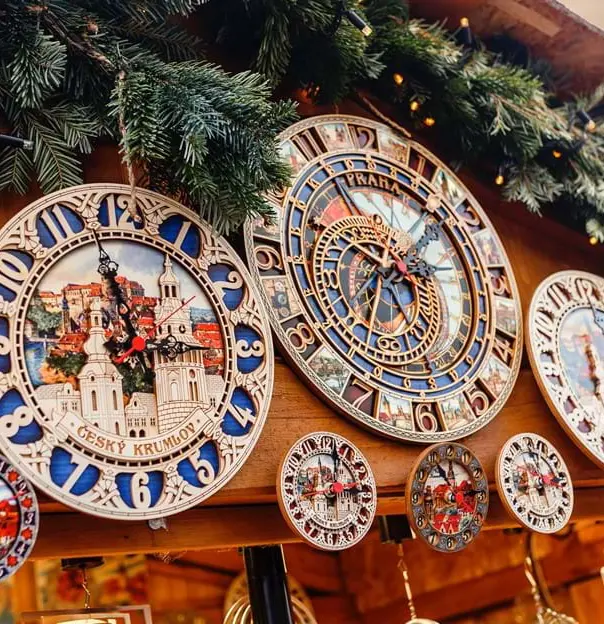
x: 397, y: 297
x: 362, y: 289
x: 431, y: 233
x: 443, y: 474
x: 108, y: 269
x: 140, y: 344
x: 170, y: 347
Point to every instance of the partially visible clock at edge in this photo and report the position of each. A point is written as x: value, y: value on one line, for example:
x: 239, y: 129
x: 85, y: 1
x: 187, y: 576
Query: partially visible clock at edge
x: 135, y: 360
x: 386, y: 284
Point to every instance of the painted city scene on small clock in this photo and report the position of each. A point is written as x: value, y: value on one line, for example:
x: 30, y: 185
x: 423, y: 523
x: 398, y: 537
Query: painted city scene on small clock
x: 73, y: 333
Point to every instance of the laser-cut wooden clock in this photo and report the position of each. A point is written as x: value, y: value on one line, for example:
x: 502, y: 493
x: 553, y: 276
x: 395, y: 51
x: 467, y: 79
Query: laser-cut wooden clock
x: 565, y: 343
x: 136, y: 362
x: 386, y: 285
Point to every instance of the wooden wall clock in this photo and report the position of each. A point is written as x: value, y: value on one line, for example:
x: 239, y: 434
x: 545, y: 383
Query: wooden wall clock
x: 565, y: 343
x: 326, y: 491
x: 534, y: 483
x: 136, y: 363
x: 19, y: 519
x: 386, y: 284
x: 447, y: 496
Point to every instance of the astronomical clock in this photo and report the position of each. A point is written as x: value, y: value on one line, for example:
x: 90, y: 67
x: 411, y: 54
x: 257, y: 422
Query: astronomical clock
x: 565, y: 342
x: 326, y: 491
x: 386, y: 284
x: 135, y: 360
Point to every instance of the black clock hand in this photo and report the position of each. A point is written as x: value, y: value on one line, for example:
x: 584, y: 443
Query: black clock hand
x: 347, y: 197
x: 108, y: 269
x: 443, y: 474
x: 362, y: 289
x: 170, y: 347
x: 431, y: 233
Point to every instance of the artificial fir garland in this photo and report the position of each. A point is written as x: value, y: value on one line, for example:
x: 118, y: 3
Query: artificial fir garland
x: 73, y: 70
x: 209, y: 137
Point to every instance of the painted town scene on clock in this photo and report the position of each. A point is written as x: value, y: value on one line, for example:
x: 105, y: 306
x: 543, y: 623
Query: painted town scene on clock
x: 449, y: 498
x: 76, y: 340
x: 582, y: 358
x: 328, y: 491
x: 9, y: 519
x: 538, y: 486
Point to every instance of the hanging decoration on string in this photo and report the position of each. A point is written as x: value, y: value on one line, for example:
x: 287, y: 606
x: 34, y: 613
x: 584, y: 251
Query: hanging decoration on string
x: 402, y: 566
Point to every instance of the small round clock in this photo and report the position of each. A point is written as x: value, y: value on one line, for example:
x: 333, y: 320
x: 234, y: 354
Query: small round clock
x: 135, y: 358
x: 387, y: 287
x: 534, y: 483
x: 565, y: 342
x: 19, y: 519
x: 447, y: 497
x: 326, y: 491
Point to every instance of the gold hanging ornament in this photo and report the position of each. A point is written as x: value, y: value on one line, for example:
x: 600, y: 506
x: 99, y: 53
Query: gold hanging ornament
x: 237, y: 608
x: 402, y: 566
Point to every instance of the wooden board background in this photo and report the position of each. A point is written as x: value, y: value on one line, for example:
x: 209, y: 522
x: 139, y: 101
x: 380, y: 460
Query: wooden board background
x: 536, y: 247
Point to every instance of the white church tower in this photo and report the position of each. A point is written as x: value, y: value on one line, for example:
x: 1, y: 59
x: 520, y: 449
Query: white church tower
x: 180, y: 384
x: 100, y: 381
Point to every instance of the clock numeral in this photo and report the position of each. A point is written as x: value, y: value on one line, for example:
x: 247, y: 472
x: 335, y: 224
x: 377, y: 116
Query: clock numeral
x: 586, y: 289
x: 308, y: 446
x: 182, y: 234
x: 58, y: 225
x: 141, y: 495
x: 77, y: 472
x: 478, y: 400
x: 13, y: 272
x: 204, y: 468
x: 118, y: 216
x: 544, y: 323
x: 504, y: 349
x: 558, y: 295
x: 425, y: 418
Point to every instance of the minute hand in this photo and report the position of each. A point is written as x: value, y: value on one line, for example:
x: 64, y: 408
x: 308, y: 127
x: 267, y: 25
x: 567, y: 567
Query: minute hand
x: 431, y: 233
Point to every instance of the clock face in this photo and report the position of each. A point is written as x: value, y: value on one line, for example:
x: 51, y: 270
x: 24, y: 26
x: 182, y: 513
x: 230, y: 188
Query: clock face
x: 534, y: 483
x: 135, y: 361
x: 386, y: 285
x: 448, y: 497
x: 566, y: 349
x: 19, y: 519
x: 327, y: 491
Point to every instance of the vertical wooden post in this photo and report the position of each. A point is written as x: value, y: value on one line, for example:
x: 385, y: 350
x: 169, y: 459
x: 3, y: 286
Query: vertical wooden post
x: 267, y: 585
x: 23, y: 591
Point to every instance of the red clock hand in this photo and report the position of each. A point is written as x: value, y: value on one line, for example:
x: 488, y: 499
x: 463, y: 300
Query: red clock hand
x: 139, y: 343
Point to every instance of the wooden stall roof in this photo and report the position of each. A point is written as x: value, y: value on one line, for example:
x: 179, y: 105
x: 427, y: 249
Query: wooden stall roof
x: 572, y: 45
x: 245, y: 511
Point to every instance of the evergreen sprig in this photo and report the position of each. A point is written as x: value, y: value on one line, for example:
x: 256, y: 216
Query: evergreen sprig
x: 493, y: 111
x: 205, y: 135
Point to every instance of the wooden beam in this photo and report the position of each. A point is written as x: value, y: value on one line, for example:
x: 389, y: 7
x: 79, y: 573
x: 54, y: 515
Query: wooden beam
x: 566, y: 563
x: 79, y: 535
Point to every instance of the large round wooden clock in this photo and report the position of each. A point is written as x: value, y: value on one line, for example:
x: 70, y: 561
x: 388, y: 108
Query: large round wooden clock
x: 386, y: 285
x: 135, y: 360
x: 565, y: 341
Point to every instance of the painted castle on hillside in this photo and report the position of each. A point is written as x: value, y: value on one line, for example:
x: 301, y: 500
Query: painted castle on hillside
x: 181, y: 384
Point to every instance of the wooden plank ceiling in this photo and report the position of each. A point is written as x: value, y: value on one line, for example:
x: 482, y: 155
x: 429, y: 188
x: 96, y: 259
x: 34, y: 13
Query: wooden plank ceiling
x: 573, y: 45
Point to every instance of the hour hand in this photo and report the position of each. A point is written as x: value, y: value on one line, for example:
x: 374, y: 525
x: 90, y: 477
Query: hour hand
x: 171, y: 348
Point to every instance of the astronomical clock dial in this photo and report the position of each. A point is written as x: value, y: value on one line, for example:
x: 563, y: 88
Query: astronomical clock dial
x: 534, y: 483
x: 326, y: 491
x: 135, y: 361
x: 566, y: 349
x: 386, y: 285
x: 19, y: 519
x: 447, y: 497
